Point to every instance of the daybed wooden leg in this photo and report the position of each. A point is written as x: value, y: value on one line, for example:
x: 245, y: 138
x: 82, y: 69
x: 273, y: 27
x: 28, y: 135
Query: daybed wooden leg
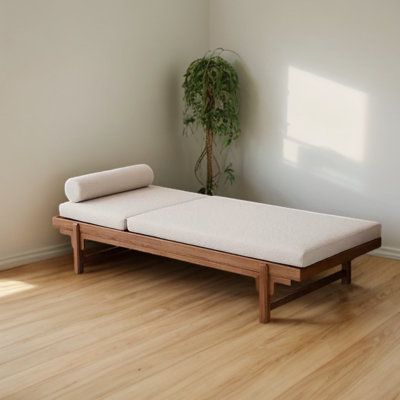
x: 263, y: 294
x: 77, y: 248
x: 257, y: 283
x: 346, y: 267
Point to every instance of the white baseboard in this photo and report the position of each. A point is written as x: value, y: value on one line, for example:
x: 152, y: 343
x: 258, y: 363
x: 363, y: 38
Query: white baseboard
x: 387, y: 252
x: 35, y: 255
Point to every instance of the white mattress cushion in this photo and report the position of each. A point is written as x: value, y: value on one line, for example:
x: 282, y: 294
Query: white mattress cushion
x: 112, y: 211
x: 266, y: 232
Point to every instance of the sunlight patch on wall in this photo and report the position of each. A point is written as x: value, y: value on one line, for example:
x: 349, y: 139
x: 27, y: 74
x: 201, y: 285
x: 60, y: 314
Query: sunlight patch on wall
x: 9, y: 287
x: 324, y: 114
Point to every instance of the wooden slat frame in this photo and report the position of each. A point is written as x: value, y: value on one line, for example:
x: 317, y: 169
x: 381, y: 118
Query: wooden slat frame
x: 340, y: 258
x: 307, y: 289
x: 266, y: 273
x: 179, y: 251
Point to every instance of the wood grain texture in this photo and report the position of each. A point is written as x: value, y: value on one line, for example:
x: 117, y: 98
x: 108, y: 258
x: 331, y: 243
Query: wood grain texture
x: 161, y: 247
x: 307, y: 288
x: 263, y: 295
x: 144, y: 327
x: 77, y: 246
x: 340, y: 258
x: 265, y: 272
x: 346, y: 268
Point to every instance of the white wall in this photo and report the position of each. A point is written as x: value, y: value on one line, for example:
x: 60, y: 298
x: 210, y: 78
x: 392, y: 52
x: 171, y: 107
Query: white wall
x: 95, y: 84
x: 87, y: 85
x: 320, y: 104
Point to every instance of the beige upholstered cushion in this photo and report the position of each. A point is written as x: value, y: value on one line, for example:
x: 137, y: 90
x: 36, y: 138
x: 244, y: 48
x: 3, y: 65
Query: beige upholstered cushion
x: 90, y: 186
x: 277, y: 234
x: 112, y: 211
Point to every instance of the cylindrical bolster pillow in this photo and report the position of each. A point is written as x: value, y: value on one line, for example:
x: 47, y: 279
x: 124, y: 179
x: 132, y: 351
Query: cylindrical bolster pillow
x: 104, y: 183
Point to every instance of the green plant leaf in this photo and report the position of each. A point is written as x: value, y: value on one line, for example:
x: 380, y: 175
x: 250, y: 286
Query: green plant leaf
x: 211, y: 96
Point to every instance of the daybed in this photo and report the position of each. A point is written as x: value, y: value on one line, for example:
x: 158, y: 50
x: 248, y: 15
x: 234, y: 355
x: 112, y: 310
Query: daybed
x: 273, y: 245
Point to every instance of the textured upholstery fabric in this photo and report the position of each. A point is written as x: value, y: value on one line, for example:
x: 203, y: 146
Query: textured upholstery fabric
x: 90, y: 186
x: 277, y: 234
x: 112, y: 211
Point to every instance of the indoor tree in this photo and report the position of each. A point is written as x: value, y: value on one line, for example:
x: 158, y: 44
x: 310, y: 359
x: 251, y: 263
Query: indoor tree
x: 211, y: 96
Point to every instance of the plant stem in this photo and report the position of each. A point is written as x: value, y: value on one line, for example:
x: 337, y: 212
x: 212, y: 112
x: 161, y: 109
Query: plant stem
x: 209, y: 147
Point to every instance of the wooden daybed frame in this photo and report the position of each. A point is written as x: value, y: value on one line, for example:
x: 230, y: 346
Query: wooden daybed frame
x: 266, y: 273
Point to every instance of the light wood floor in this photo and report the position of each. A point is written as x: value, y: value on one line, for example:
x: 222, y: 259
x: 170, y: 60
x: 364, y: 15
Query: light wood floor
x: 143, y: 327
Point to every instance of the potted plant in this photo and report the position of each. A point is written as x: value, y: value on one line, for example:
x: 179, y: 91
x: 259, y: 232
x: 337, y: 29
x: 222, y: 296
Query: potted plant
x: 211, y: 96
